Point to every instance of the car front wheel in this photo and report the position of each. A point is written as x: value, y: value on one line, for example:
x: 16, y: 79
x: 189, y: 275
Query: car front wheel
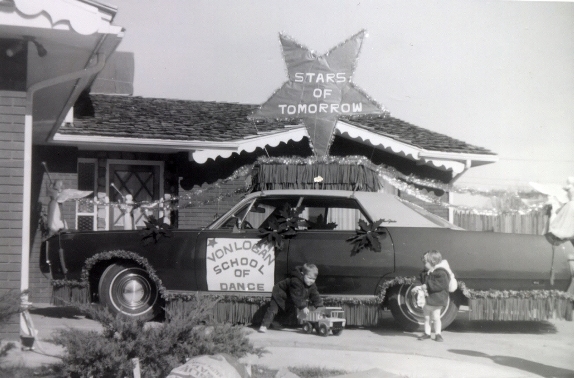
x: 127, y: 289
x: 403, y: 305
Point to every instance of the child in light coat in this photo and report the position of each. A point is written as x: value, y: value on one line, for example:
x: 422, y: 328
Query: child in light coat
x: 435, y: 282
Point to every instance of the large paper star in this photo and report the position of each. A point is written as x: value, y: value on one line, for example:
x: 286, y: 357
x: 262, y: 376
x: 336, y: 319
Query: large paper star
x: 319, y: 90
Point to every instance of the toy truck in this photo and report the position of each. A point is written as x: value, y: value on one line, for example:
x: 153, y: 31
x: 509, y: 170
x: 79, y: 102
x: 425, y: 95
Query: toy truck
x: 323, y: 320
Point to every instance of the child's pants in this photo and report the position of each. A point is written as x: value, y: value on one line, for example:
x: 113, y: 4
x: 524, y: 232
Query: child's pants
x: 432, y: 313
x: 273, y: 310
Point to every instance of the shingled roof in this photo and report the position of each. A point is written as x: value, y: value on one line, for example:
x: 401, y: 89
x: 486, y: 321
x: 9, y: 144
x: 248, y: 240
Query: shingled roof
x: 405, y: 132
x: 183, y: 120
x: 160, y: 118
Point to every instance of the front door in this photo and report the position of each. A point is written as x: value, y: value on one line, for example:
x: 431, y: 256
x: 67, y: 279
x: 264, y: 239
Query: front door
x: 141, y: 180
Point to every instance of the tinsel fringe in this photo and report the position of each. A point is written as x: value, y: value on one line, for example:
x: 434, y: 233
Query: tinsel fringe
x: 496, y: 309
x: 359, y: 310
x: 66, y: 295
x: 367, y: 315
x: 520, y: 309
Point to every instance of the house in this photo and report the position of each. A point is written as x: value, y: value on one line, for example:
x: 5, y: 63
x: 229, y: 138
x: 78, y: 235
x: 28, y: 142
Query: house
x: 60, y: 123
x: 152, y: 147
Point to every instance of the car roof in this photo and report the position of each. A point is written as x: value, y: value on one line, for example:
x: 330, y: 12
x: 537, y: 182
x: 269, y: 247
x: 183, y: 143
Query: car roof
x: 377, y: 205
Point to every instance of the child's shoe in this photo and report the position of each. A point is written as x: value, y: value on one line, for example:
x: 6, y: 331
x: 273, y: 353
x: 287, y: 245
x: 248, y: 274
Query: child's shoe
x: 424, y: 336
x: 262, y: 329
x: 438, y: 338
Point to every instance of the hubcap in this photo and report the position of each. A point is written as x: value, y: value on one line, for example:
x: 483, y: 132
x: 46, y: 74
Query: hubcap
x: 132, y: 293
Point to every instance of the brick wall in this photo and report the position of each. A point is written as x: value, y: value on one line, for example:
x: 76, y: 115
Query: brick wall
x: 12, y: 111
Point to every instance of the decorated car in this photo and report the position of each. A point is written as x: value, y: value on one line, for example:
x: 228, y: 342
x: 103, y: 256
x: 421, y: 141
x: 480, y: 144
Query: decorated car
x: 367, y: 246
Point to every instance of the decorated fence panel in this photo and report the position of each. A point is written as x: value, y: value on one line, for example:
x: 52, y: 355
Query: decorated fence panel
x: 534, y: 222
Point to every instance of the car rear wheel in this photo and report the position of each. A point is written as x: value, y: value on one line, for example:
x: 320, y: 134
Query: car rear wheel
x: 127, y: 289
x: 308, y: 327
x: 403, y: 305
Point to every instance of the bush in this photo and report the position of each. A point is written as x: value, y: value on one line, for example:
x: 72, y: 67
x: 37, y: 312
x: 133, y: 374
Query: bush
x: 10, y: 302
x: 160, y: 347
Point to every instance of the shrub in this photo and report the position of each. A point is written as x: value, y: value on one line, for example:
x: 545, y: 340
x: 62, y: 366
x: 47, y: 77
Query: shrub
x: 160, y: 347
x: 9, y: 305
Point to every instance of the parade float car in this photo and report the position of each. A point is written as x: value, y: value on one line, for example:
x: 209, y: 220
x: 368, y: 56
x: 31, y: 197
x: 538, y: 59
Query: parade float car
x: 131, y: 276
x: 323, y: 320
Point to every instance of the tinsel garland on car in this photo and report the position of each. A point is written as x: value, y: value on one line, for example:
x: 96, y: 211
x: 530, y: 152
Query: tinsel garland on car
x: 359, y: 310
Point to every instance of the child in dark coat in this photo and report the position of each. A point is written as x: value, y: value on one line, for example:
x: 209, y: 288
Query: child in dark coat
x: 296, y: 291
x: 435, y: 281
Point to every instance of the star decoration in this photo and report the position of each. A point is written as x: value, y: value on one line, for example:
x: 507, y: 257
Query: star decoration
x: 319, y: 90
x: 211, y: 242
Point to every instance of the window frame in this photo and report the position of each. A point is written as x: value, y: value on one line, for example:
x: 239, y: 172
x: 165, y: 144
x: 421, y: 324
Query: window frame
x: 94, y: 212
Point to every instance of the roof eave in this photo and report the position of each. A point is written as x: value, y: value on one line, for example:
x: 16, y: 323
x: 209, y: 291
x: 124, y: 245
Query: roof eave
x: 199, y: 150
x: 448, y: 161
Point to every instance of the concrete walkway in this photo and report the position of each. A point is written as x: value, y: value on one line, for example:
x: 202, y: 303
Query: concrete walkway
x: 465, y: 353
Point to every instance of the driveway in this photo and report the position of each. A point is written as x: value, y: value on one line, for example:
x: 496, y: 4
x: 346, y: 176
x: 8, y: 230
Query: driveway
x: 470, y: 349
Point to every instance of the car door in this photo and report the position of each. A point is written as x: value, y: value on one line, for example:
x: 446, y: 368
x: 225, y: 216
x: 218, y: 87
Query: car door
x: 324, y: 243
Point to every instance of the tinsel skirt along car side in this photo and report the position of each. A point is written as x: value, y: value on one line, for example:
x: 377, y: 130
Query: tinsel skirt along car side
x: 361, y: 242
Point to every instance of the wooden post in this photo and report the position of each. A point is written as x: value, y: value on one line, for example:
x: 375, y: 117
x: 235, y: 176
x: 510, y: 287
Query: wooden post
x: 136, y: 367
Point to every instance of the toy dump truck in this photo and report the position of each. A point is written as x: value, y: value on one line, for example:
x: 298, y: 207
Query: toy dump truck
x: 323, y: 320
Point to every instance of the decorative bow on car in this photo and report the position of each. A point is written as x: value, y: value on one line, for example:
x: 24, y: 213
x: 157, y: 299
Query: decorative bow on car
x: 155, y: 229
x: 368, y: 236
x: 281, y: 225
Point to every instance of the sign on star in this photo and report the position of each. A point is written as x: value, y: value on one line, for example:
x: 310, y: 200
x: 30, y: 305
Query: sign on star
x: 319, y: 90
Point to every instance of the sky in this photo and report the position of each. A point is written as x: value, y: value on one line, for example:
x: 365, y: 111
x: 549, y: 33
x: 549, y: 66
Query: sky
x: 495, y: 74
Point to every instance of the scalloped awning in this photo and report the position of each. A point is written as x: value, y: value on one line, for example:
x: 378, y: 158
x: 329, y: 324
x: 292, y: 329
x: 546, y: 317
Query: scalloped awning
x: 83, y: 18
x: 250, y: 144
x: 446, y: 161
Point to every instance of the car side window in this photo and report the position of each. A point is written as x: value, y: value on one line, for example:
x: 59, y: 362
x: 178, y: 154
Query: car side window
x: 332, y: 218
x: 340, y: 214
x: 321, y: 213
x: 265, y: 208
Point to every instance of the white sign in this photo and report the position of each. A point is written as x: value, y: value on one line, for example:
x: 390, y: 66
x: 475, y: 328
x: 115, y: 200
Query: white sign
x: 239, y: 265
